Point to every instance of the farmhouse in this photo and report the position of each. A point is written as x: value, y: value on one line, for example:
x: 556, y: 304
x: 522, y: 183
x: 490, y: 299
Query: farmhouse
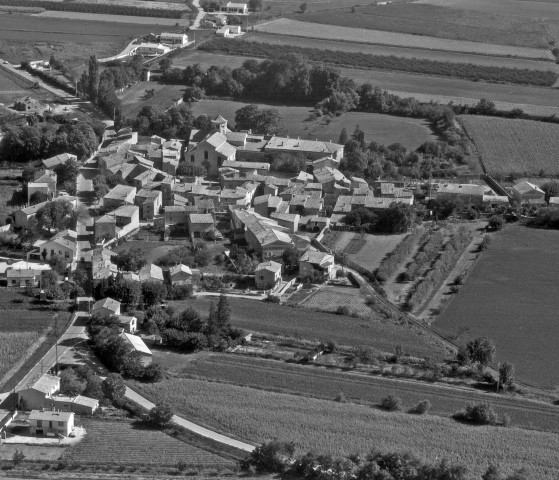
x: 235, y: 8
x: 51, y: 422
x: 464, y: 193
x: 35, y: 395
x: 200, y: 224
x: 173, y: 38
x: 526, y: 192
x: 267, y: 274
x: 183, y: 275
x: 151, y: 273
x: 27, y: 105
x: 313, y: 261
x: 80, y: 405
x: 139, y: 346
x: 106, y: 307
x: 64, y: 245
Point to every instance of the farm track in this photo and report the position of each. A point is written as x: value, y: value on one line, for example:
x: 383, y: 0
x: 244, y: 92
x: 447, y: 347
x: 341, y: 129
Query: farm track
x: 445, y: 399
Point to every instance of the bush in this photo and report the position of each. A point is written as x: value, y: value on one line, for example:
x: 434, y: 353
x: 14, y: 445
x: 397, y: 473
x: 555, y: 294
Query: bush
x: 343, y: 310
x: 422, y: 407
x: 391, y: 403
x: 340, y: 397
x: 160, y: 415
x: 274, y: 456
x: 478, y: 414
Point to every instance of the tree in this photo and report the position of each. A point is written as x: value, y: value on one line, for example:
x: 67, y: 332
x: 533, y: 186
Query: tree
x: 28, y: 174
x: 212, y: 327
x: 223, y: 312
x: 290, y: 259
x: 343, y: 137
x: 38, y: 197
x: 255, y: 4
x: 93, y: 79
x: 506, y: 375
x: 492, y: 473
x: 551, y: 189
x: 113, y: 386
x: 153, y: 293
x: 70, y: 383
x: 495, y: 222
x: 265, y: 121
x: 304, y: 6
x: 165, y: 64
x: 160, y: 415
x: 481, y: 350
x: 274, y: 456
x: 67, y: 172
x: 132, y: 259
x: 18, y: 457
x: 58, y: 264
x: 391, y: 403
x: 480, y: 414
x: 398, y: 218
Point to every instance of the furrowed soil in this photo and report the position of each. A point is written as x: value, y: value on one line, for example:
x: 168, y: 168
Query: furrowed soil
x: 511, y: 297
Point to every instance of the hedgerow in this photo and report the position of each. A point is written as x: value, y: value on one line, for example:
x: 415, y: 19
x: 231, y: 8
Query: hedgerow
x: 392, y: 262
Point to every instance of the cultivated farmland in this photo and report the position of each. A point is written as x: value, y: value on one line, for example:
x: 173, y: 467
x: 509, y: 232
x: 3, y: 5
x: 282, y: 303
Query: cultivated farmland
x: 315, y: 30
x: 125, y: 442
x: 328, y: 299
x: 511, y: 297
x: 315, y: 381
x: 12, y: 347
x: 521, y: 147
x: 364, y: 249
x: 331, y: 427
x: 439, y: 21
x: 13, y: 87
x: 274, y: 319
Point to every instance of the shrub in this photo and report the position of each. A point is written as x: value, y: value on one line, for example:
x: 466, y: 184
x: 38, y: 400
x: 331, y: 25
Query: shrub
x: 422, y: 407
x: 274, y: 456
x: 18, y: 457
x: 330, y: 346
x: 391, y: 403
x: 343, y: 310
x: 478, y: 414
x: 506, y: 420
x: 340, y: 397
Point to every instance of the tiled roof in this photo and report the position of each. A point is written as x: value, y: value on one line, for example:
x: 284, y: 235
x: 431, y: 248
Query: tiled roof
x: 136, y: 342
x: 120, y: 192
x: 108, y: 303
x: 50, y: 415
x: 270, y: 266
x: 200, y: 218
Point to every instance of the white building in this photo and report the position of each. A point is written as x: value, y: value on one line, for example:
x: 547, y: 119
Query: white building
x: 173, y: 38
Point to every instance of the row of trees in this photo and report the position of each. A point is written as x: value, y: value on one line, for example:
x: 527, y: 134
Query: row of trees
x: 398, y: 218
x: 280, y: 457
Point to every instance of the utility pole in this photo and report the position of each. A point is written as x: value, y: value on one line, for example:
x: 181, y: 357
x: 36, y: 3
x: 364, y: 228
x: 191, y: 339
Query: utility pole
x: 498, y: 376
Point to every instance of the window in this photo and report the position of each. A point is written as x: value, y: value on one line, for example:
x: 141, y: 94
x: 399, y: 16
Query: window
x: 206, y: 155
x: 60, y: 424
x: 39, y: 423
x: 192, y: 158
x: 13, y: 282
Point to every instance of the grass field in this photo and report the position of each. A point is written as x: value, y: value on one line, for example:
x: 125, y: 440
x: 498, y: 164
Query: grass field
x: 126, y: 443
x: 350, y: 34
x: 13, y: 87
x: 371, y: 250
x: 274, y: 319
x: 383, y: 129
x: 403, y: 52
x: 318, y: 382
x: 12, y: 347
x: 511, y: 297
x: 331, y: 427
x: 165, y: 97
x: 522, y: 147
x: 328, y: 299
x: 438, y: 21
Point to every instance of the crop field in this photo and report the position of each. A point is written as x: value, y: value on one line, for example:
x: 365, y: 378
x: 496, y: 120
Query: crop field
x: 316, y: 30
x: 12, y: 347
x: 511, y: 297
x: 522, y: 147
x: 268, y: 318
x: 402, y: 52
x: 328, y: 299
x: 439, y: 21
x: 330, y: 427
x: 123, y: 442
x: 13, y: 87
x: 101, y: 17
x: 7, y: 191
x: 315, y: 381
x: 533, y: 100
x: 371, y: 251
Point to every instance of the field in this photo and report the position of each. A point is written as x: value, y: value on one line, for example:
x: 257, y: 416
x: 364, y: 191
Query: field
x: 439, y: 21
x: 511, y: 297
x: 328, y: 299
x: 12, y: 346
x: 371, y: 249
x: 402, y: 52
x: 268, y: 318
x: 316, y: 30
x: 331, y: 427
x: 123, y: 442
x: 522, y: 147
x: 13, y: 87
x: 25, y: 37
x: 100, y: 17
x: 383, y: 129
x: 533, y: 100
x: 315, y: 381
x: 165, y: 97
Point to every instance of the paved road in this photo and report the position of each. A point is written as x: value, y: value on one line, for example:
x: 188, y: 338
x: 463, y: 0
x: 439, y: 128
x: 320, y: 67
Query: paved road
x: 193, y: 427
x: 74, y: 334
